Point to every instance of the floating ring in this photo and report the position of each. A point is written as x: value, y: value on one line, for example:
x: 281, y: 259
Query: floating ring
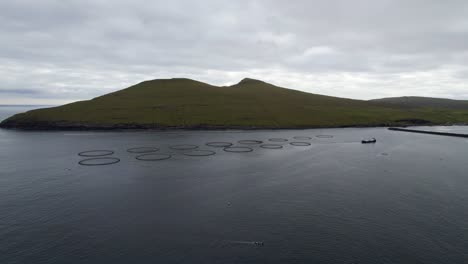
x: 250, y: 142
x: 199, y: 153
x: 95, y: 153
x: 140, y: 150
x: 300, y: 144
x: 271, y: 146
x: 324, y: 136
x: 277, y: 140
x: 302, y: 138
x: 238, y: 149
x: 153, y: 157
x: 184, y: 147
x: 104, y: 161
x: 219, y: 144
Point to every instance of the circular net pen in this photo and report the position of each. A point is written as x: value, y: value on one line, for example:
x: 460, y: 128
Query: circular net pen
x: 141, y: 150
x: 250, y: 142
x: 183, y: 147
x: 300, y: 144
x: 199, y: 153
x: 238, y: 149
x: 271, y: 146
x: 278, y: 140
x: 324, y: 136
x: 302, y: 138
x: 99, y: 161
x: 153, y: 157
x: 96, y: 153
x: 219, y: 144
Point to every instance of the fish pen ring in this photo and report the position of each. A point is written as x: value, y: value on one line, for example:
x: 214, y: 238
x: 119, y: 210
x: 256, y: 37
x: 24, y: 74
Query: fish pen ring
x: 101, y: 161
x: 302, y: 138
x: 277, y: 140
x: 271, y: 146
x: 219, y: 144
x: 324, y: 136
x: 238, y: 149
x: 140, y: 150
x: 183, y: 147
x: 199, y: 153
x: 300, y: 144
x: 250, y: 142
x: 95, y: 153
x: 153, y: 157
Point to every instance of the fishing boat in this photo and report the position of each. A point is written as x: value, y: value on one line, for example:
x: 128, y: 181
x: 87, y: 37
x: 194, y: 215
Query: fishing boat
x: 368, y: 141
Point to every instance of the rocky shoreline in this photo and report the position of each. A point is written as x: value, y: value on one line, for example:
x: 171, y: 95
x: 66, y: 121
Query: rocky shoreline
x: 50, y: 126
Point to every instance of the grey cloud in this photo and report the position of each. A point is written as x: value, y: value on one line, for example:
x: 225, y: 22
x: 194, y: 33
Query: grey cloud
x: 20, y: 91
x: 80, y: 49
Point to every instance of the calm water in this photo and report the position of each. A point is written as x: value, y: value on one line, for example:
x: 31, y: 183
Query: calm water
x: 402, y: 200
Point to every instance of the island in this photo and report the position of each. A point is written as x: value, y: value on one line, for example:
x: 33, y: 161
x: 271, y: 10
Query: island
x: 182, y: 103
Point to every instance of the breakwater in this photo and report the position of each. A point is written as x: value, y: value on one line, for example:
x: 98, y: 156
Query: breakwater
x: 428, y: 132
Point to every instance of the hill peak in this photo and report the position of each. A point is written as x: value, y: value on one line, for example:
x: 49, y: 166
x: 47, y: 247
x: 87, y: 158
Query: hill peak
x: 250, y: 80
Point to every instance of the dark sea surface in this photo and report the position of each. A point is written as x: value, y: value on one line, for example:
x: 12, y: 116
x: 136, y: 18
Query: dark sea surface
x: 402, y: 200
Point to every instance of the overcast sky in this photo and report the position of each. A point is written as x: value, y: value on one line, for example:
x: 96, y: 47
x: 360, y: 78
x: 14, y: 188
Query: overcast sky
x: 52, y: 52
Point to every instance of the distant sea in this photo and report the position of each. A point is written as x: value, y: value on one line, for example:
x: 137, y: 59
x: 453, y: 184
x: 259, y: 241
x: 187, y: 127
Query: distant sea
x: 9, y: 110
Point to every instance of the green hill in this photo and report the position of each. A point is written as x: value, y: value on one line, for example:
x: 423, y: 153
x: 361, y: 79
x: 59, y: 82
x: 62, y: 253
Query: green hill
x: 421, y: 102
x: 185, y: 103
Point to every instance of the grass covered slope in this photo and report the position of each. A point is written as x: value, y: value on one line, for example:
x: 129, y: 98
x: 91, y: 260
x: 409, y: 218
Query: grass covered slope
x: 422, y: 102
x: 185, y: 103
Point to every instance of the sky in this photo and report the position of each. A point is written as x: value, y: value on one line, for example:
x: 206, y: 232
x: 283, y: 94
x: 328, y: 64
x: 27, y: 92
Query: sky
x: 55, y: 51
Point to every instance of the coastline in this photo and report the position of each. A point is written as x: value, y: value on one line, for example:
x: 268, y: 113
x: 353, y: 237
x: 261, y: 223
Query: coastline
x: 41, y: 126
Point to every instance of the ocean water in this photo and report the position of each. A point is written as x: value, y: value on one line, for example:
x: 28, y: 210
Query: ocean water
x: 9, y: 110
x: 401, y: 200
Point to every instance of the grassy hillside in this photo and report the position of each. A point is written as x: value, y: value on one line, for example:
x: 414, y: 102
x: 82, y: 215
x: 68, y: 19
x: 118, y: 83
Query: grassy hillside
x: 421, y: 102
x: 248, y: 104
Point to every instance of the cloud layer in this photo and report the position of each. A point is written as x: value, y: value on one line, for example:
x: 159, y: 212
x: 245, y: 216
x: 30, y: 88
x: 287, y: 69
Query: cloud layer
x: 55, y: 51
